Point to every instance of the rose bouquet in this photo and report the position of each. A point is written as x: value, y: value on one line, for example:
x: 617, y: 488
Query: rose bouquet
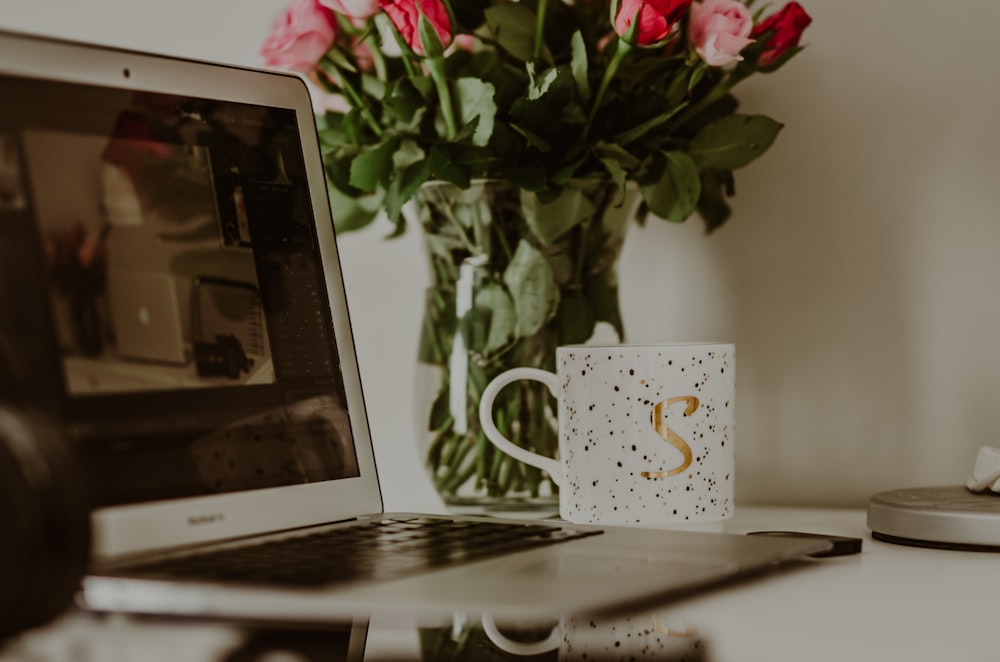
x: 537, y: 93
x: 516, y: 129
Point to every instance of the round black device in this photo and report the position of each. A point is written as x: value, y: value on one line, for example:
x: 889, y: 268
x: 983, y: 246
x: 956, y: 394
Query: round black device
x: 45, y: 519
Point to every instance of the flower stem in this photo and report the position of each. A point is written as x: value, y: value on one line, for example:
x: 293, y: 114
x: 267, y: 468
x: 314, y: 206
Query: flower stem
x: 435, y: 64
x: 539, y: 28
x: 623, y: 48
x: 352, y: 94
x: 719, y: 91
x: 378, y: 59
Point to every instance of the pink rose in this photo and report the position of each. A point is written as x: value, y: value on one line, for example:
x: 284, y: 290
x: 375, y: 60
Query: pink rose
x: 786, y: 27
x: 353, y: 8
x: 656, y: 18
x: 300, y: 36
x: 405, y: 15
x: 719, y: 30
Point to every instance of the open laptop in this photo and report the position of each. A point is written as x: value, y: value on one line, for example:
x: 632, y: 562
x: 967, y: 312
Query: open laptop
x: 223, y: 460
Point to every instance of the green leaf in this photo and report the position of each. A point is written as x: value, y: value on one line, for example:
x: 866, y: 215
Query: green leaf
x: 576, y: 320
x: 567, y: 171
x: 372, y: 167
x: 474, y: 100
x: 696, y: 77
x: 407, y: 96
x: 618, y: 153
x: 529, y: 177
x: 494, y: 304
x: 532, y: 138
x: 674, y: 194
x: 470, y: 14
x: 602, y: 290
x: 408, y: 153
x: 533, y: 288
x: 513, y: 26
x: 446, y: 168
x: 551, y: 220
x: 631, y: 135
x: 712, y: 205
x: 353, y: 212
x: 336, y: 59
x: 540, y: 84
x: 617, y: 161
x: 618, y: 175
x: 734, y: 141
x: 404, y: 185
x: 578, y: 65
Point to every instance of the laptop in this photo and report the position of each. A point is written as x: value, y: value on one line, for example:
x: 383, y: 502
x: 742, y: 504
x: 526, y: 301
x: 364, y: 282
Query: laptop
x: 225, y: 461
x: 145, y: 316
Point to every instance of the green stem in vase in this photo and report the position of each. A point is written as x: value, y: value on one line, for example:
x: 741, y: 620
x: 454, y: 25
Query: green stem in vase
x: 452, y: 445
x: 461, y: 472
x: 445, y: 211
x: 453, y: 463
x: 506, y: 473
x: 482, y: 443
x: 438, y: 444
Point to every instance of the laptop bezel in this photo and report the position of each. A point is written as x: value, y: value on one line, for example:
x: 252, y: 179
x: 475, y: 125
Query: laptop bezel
x: 147, y: 527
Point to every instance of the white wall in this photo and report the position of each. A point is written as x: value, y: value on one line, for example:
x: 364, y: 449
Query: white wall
x: 858, y: 277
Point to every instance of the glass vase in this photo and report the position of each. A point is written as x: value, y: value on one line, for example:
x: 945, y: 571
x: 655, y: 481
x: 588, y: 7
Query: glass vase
x: 512, y: 278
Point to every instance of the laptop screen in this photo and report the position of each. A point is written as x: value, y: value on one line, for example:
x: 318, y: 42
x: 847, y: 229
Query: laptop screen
x: 161, y: 291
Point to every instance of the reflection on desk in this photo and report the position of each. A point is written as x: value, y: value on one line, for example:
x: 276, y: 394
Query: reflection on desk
x: 84, y: 637
x: 889, y: 602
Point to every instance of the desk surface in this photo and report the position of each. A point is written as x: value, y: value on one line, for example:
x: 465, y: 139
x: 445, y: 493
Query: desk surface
x: 889, y: 602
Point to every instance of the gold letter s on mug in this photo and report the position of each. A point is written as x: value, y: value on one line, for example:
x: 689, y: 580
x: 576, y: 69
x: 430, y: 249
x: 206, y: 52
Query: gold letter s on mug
x: 671, y: 437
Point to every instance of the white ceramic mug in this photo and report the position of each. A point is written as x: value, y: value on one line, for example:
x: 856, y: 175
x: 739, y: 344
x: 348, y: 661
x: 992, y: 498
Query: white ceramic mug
x: 646, y: 432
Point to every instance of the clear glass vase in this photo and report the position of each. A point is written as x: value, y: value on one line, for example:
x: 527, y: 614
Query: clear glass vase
x: 512, y: 278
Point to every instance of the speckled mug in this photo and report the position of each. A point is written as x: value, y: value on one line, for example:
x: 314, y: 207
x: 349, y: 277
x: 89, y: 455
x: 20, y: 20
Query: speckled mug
x: 646, y: 432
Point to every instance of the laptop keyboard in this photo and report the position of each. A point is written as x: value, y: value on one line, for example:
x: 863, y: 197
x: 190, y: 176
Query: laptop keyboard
x: 383, y: 549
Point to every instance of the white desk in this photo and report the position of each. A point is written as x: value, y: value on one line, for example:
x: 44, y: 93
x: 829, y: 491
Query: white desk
x: 887, y: 603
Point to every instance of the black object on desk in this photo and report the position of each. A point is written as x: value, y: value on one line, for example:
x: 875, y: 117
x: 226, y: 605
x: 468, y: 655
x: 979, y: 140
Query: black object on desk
x: 839, y: 545
x: 45, y: 519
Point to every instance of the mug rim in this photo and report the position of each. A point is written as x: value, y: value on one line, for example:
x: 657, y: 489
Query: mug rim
x: 599, y: 346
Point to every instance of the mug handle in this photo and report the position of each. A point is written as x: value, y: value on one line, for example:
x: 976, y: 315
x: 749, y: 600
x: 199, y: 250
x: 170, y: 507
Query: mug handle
x: 520, y: 648
x: 547, y: 464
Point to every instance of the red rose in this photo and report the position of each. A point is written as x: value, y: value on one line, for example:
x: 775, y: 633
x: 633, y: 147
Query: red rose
x: 786, y: 27
x: 656, y: 18
x: 405, y: 15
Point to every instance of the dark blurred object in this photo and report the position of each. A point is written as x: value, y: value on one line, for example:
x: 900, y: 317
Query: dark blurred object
x: 45, y: 519
x: 223, y: 358
x: 78, y: 262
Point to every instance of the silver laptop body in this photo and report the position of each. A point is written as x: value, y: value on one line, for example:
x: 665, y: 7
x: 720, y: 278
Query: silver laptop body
x: 248, y: 446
